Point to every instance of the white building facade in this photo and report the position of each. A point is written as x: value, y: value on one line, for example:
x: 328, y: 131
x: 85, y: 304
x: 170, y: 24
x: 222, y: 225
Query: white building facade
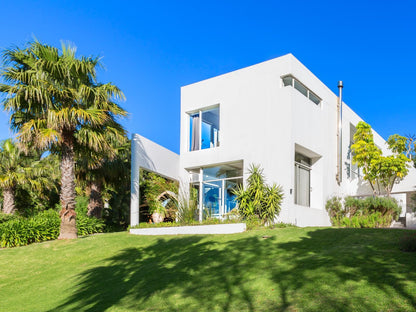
x: 278, y: 115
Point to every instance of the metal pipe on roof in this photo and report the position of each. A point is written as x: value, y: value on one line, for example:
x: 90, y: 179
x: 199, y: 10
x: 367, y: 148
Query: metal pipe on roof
x: 339, y: 133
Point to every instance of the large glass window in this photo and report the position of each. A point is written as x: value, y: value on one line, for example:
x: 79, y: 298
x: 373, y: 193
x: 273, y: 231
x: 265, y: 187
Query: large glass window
x: 204, y: 129
x: 216, y: 187
x: 302, y: 180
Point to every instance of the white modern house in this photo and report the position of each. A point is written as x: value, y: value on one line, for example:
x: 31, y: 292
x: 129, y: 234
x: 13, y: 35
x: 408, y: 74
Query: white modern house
x: 276, y: 114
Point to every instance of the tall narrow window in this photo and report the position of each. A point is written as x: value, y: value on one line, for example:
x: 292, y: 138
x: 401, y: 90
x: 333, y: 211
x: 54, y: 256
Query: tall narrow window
x: 195, y: 136
x: 204, y: 129
x: 302, y: 180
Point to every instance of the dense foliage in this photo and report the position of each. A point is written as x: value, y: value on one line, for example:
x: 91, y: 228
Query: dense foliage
x: 188, y: 207
x: 27, y: 179
x: 56, y: 104
x: 362, y: 213
x: 258, y: 198
x: 158, y: 195
x: 381, y: 172
x: 19, y: 231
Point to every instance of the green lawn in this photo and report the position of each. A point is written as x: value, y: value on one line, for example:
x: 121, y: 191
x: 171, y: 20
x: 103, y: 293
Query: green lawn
x: 288, y: 269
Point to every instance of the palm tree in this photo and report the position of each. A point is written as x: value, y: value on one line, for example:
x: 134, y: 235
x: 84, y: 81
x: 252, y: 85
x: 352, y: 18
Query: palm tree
x: 100, y: 171
x: 17, y: 169
x: 11, y: 173
x: 56, y: 103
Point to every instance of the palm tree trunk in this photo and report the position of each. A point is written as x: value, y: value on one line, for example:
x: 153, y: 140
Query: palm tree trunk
x: 8, y: 200
x: 67, y: 196
x: 96, y: 204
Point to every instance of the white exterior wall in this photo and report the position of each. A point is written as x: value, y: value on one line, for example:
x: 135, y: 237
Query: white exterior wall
x: 153, y: 157
x: 261, y: 121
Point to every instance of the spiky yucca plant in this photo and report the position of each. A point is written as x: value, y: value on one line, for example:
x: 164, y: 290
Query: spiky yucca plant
x: 258, y: 198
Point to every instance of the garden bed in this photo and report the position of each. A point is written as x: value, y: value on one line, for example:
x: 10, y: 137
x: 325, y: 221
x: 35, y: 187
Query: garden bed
x: 192, y: 229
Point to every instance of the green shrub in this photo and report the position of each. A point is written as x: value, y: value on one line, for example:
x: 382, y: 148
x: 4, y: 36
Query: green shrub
x: 354, y: 206
x: 81, y: 205
x: 188, y: 207
x: 24, y: 231
x: 258, y: 198
x: 253, y: 222
x: 5, y: 217
x: 42, y: 227
x: 408, y: 242
x: 334, y: 207
x: 374, y: 220
x: 359, y: 213
x: 384, y: 205
x: 89, y: 225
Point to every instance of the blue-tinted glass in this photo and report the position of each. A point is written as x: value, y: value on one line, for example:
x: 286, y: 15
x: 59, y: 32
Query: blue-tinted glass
x: 212, y: 198
x: 212, y: 173
x: 206, y: 135
x: 190, y: 133
x: 194, y: 132
x: 230, y: 202
x: 221, y: 172
x: 210, y: 128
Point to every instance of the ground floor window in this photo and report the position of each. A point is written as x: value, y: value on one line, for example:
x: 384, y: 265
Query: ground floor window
x: 302, y: 180
x: 215, y: 186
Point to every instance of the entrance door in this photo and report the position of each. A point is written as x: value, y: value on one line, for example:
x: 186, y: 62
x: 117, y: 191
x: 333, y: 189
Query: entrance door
x: 302, y: 185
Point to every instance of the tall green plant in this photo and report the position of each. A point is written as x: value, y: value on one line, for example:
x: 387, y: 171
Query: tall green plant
x: 381, y: 172
x: 56, y: 103
x: 19, y: 171
x: 98, y: 172
x: 188, y: 206
x: 153, y: 189
x: 258, y: 198
x: 12, y: 173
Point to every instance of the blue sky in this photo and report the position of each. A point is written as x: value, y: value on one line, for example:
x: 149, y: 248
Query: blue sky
x: 152, y: 48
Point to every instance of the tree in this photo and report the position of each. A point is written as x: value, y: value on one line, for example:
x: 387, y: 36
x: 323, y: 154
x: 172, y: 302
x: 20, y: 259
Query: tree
x: 98, y: 172
x: 12, y: 173
x: 258, y: 198
x: 56, y: 103
x: 381, y: 172
x: 364, y: 151
x: 18, y: 169
x: 411, y: 148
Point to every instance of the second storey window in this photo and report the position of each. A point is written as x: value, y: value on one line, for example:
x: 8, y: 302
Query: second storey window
x: 204, y: 129
x: 293, y: 82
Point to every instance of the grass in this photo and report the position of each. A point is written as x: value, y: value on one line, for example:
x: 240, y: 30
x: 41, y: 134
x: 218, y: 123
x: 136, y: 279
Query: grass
x: 285, y: 269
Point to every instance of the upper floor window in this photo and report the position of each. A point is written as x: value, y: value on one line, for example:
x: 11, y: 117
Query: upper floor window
x: 293, y: 82
x: 204, y: 129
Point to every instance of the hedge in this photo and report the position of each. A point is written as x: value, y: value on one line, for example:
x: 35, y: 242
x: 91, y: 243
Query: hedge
x: 42, y: 227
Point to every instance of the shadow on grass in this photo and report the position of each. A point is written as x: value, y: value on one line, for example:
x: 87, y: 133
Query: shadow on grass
x: 328, y: 270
